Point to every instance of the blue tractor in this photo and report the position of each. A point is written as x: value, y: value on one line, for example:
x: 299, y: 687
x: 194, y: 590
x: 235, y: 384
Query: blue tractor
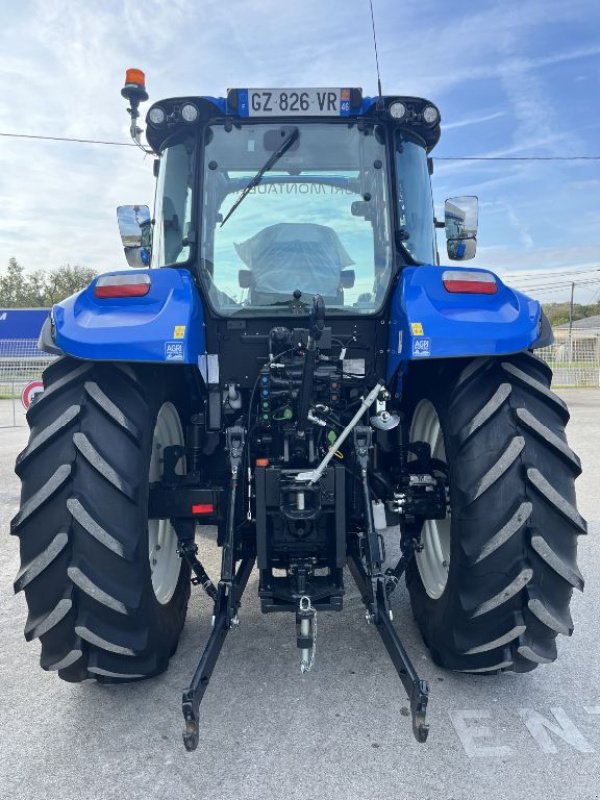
x: 289, y: 362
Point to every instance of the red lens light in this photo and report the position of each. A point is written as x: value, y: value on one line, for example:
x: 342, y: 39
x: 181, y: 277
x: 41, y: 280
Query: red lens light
x: 469, y: 282
x: 203, y: 508
x: 124, y: 290
x: 123, y: 285
x: 470, y: 287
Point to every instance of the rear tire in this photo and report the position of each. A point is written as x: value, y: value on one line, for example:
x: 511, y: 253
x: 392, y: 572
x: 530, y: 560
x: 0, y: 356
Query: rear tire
x: 514, y: 524
x: 83, y: 523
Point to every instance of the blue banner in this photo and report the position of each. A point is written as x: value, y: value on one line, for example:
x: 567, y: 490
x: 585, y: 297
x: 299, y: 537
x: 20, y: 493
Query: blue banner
x: 22, y: 323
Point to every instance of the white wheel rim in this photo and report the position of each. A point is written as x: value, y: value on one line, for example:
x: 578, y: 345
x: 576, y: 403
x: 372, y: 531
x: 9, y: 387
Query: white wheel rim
x: 165, y: 564
x: 433, y: 561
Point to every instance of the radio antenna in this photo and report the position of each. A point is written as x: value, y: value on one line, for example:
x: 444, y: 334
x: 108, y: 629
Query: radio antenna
x: 376, y: 54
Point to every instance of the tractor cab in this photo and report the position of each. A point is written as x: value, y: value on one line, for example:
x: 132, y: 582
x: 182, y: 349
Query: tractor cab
x: 270, y: 196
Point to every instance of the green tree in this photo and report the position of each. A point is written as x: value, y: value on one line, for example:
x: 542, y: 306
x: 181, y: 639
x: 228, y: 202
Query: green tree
x: 67, y: 280
x: 41, y: 289
x: 558, y: 313
x: 12, y: 285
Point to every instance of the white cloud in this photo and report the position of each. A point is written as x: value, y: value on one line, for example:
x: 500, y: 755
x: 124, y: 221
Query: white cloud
x: 63, y: 65
x: 521, y: 228
x: 463, y: 123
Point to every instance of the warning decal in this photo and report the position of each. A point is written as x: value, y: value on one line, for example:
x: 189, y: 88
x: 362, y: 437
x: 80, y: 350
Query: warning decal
x: 30, y: 393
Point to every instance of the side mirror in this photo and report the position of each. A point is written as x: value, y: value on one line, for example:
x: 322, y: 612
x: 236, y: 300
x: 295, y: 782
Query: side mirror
x: 364, y: 209
x: 245, y: 278
x: 347, y: 278
x: 135, y: 227
x: 461, y: 249
x: 460, y: 221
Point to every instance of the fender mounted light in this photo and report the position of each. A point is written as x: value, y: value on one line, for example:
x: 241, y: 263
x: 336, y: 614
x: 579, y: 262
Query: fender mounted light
x: 203, y: 508
x: 108, y: 286
x: 469, y: 282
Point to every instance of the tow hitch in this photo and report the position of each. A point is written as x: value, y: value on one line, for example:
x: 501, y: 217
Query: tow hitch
x: 365, y: 558
x: 284, y: 496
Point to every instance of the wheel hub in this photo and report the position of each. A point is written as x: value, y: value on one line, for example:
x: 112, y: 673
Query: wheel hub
x: 433, y: 561
x: 165, y: 564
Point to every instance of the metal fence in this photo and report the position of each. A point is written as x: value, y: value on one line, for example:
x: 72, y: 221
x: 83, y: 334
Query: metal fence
x: 20, y: 363
x: 575, y: 363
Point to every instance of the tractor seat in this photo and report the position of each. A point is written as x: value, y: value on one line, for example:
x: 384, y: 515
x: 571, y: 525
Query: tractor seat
x: 289, y: 256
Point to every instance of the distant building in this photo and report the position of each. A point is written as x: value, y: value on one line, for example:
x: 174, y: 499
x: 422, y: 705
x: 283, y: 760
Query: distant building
x: 582, y: 348
x: 588, y: 326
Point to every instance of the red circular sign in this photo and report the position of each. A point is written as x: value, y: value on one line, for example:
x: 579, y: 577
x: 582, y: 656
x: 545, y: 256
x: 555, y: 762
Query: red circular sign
x: 30, y: 392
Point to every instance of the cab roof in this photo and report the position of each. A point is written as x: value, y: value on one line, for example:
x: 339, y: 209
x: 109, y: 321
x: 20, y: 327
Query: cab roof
x: 215, y: 109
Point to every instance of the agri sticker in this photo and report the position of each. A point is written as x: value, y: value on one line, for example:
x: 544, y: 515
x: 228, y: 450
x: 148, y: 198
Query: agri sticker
x: 421, y: 347
x: 173, y: 351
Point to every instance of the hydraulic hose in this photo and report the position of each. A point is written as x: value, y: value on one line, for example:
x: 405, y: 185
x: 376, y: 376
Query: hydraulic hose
x: 316, y: 325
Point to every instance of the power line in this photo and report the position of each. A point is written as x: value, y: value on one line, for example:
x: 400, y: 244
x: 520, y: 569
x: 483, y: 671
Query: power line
x: 66, y: 139
x: 436, y: 158
x: 516, y: 158
x: 549, y: 280
x: 562, y: 285
x: 566, y: 281
x: 558, y: 274
x: 556, y: 287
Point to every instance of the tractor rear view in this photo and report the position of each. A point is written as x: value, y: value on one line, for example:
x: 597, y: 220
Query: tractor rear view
x: 288, y: 362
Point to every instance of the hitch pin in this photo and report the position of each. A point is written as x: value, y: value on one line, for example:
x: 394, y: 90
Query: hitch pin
x: 307, y: 655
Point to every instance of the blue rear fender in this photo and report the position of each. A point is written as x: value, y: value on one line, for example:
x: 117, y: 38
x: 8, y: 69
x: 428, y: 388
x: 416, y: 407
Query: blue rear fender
x: 164, y: 326
x: 428, y: 322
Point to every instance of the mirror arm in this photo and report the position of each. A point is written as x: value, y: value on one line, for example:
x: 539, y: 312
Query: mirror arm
x: 134, y: 129
x: 439, y: 223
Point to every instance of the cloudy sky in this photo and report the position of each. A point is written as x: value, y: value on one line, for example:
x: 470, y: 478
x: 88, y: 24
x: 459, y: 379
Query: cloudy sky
x: 511, y: 79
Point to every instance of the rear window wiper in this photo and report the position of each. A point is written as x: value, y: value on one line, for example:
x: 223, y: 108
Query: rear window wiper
x: 281, y: 150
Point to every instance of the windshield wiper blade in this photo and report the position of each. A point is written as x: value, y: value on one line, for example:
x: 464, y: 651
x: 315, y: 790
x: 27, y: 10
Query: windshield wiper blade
x: 281, y: 150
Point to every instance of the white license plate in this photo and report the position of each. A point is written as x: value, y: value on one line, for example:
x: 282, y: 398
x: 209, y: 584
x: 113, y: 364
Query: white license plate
x: 293, y: 102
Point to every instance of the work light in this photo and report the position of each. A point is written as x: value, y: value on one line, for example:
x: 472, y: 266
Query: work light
x: 397, y: 110
x: 189, y: 112
x: 430, y: 115
x: 156, y: 115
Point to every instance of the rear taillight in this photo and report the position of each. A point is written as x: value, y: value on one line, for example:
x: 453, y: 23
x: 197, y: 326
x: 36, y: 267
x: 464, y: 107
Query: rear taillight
x: 469, y: 282
x: 203, y: 508
x: 125, y: 285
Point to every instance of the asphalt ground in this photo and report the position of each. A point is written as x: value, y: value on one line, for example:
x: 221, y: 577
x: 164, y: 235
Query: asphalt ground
x: 339, y: 732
